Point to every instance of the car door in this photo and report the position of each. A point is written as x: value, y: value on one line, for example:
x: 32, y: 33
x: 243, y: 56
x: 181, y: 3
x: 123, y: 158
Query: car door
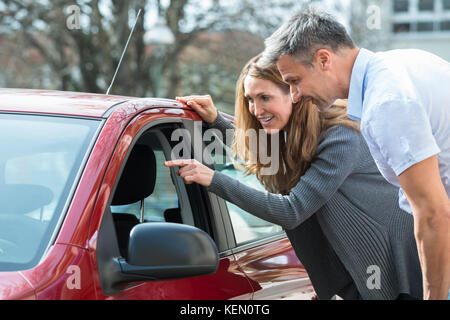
x: 170, y: 201
x: 262, y: 249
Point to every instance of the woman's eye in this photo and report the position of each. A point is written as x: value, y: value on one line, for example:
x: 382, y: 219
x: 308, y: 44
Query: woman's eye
x: 265, y: 98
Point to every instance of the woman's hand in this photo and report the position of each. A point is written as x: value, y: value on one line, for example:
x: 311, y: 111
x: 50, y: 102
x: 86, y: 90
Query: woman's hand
x: 192, y: 171
x: 203, y: 105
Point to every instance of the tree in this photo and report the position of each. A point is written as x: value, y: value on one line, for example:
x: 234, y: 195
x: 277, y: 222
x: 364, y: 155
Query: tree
x: 211, y: 64
x: 83, y: 56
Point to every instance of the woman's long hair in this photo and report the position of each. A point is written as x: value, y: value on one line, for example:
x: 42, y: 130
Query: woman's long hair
x: 297, y: 140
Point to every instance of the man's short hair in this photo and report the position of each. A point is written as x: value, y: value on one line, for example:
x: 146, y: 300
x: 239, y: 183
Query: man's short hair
x: 303, y: 34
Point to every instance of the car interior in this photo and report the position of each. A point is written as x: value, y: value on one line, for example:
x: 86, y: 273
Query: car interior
x: 38, y: 166
x: 136, y: 183
x: 143, y: 183
x: 15, y: 246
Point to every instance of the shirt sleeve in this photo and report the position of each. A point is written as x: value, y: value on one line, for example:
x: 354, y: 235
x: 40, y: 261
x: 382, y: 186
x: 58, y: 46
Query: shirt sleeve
x: 225, y: 127
x: 399, y: 135
x: 337, y: 156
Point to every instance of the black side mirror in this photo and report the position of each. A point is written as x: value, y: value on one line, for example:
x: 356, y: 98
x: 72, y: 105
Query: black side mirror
x: 158, y: 251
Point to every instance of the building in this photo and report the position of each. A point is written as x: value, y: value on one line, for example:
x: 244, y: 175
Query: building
x: 380, y: 25
x: 420, y: 24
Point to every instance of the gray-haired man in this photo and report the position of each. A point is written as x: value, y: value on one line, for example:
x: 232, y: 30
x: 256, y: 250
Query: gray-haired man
x: 402, y: 99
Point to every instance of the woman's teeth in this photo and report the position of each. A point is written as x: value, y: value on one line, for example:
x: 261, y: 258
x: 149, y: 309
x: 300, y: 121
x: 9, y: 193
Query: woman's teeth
x: 265, y: 120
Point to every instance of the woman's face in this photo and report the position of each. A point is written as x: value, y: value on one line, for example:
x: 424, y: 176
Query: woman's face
x: 268, y: 103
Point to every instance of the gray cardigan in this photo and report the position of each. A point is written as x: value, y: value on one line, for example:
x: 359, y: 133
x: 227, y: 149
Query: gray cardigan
x: 342, y: 218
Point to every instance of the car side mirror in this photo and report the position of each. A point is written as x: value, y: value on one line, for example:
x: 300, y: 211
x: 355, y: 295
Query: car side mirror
x: 164, y: 250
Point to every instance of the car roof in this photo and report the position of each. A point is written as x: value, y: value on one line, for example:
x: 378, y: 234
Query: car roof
x: 70, y: 103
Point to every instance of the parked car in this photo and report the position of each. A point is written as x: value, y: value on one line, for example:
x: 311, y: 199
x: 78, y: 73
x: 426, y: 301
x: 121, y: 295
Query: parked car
x: 88, y: 211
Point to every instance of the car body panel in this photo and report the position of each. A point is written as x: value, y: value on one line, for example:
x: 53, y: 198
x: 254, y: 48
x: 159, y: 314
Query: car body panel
x: 57, y: 102
x: 74, y: 103
x: 275, y: 272
x: 228, y: 282
x: 64, y: 275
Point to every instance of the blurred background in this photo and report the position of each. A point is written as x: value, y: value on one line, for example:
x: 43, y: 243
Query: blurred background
x: 183, y: 47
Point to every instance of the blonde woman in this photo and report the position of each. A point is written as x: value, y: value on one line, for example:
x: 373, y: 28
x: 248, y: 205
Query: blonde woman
x: 341, y: 216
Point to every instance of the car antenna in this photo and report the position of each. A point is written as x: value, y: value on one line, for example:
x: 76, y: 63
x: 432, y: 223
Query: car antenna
x: 123, y: 52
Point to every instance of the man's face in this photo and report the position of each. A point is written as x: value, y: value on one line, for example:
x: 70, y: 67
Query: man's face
x: 307, y: 82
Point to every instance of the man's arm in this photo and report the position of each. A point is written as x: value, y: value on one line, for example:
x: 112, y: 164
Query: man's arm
x: 426, y: 194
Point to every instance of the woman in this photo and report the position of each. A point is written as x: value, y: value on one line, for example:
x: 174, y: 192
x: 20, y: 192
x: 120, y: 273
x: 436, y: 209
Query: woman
x: 339, y: 213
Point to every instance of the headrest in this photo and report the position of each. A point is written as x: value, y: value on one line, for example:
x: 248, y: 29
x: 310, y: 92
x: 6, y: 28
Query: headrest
x: 23, y: 198
x: 138, y: 177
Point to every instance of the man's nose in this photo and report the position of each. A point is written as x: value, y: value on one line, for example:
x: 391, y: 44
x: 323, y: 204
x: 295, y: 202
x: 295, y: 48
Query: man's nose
x: 296, y: 94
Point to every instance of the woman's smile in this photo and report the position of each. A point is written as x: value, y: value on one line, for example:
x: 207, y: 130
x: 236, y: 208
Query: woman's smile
x: 265, y: 121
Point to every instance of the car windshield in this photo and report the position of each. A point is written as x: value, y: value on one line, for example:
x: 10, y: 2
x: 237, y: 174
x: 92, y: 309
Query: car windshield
x: 40, y: 158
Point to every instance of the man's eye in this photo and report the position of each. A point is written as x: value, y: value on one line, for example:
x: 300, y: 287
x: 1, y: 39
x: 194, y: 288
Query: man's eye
x: 265, y: 98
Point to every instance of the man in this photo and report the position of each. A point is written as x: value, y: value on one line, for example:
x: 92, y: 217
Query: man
x: 402, y: 98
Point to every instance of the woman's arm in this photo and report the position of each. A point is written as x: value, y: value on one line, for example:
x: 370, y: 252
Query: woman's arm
x: 226, y: 129
x: 337, y: 156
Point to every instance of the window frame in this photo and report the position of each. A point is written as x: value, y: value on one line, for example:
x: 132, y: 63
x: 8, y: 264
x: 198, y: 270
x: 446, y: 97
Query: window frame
x: 210, y: 212
x: 226, y: 218
x: 217, y: 207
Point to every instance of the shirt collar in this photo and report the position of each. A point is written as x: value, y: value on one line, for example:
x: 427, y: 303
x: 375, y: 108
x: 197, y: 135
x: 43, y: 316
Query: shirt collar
x: 357, y: 84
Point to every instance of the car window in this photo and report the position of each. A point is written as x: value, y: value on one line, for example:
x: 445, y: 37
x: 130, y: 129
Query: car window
x: 163, y: 198
x: 246, y: 227
x: 40, y: 158
x: 152, y: 192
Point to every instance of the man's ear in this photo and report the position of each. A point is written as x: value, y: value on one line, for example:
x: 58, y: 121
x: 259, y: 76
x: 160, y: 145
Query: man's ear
x: 323, y: 59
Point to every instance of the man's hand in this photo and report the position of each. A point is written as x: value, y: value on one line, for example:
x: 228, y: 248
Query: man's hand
x: 192, y: 171
x: 203, y: 105
x: 426, y: 194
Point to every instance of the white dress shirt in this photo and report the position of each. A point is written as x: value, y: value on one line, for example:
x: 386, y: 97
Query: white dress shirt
x: 402, y: 98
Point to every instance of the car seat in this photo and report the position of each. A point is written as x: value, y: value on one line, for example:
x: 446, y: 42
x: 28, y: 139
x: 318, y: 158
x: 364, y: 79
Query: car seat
x: 137, y: 182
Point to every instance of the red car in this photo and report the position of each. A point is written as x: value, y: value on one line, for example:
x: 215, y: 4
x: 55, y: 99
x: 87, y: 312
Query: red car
x: 88, y: 211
